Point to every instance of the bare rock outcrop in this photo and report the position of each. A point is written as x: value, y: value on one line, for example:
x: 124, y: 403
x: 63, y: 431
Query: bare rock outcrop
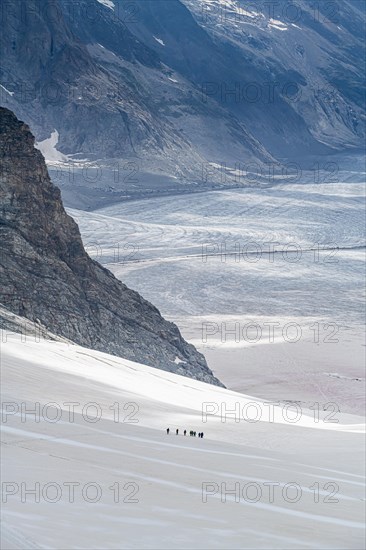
x: 46, y: 275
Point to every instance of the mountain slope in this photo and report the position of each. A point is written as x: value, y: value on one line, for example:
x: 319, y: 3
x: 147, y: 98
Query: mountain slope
x: 176, y: 84
x: 82, y: 72
x: 207, y: 493
x: 297, y: 70
x: 47, y: 275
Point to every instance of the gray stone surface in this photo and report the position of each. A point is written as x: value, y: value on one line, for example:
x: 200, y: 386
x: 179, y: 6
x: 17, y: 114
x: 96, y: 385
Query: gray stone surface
x: 176, y: 84
x: 46, y: 275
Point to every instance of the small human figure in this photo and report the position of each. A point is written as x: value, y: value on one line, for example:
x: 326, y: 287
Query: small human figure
x: 167, y: 431
x: 185, y: 432
x: 191, y: 433
x: 201, y: 435
x: 194, y: 433
x: 176, y: 431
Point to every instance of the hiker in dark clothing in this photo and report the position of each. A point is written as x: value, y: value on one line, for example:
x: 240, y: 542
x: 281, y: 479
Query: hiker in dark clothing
x: 167, y: 431
x: 191, y: 433
x: 176, y: 431
x: 185, y: 432
x: 201, y: 435
x: 194, y: 433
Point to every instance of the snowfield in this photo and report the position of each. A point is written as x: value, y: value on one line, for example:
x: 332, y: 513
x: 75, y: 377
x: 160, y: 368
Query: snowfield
x: 98, y: 450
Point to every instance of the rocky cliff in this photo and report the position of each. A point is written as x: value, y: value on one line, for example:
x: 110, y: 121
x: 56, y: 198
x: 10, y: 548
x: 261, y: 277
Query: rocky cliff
x: 46, y: 275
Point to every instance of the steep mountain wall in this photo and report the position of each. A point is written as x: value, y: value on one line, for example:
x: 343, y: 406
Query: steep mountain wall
x: 46, y: 275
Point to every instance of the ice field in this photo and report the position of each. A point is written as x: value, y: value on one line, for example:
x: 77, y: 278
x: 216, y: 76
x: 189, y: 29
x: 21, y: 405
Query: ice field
x: 267, y: 283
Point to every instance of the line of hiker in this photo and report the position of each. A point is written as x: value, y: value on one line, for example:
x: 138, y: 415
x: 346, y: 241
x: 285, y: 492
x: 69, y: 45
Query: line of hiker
x: 191, y: 433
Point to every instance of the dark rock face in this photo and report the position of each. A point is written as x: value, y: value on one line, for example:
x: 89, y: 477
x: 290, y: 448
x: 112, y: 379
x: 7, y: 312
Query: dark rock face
x: 188, y: 81
x: 45, y: 273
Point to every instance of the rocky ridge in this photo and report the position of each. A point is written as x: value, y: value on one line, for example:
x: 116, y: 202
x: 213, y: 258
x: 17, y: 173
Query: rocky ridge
x: 47, y: 277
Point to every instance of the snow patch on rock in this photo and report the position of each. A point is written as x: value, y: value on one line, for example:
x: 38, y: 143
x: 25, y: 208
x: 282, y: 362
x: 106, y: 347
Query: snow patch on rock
x: 107, y: 3
x: 48, y: 148
x: 276, y: 24
x: 159, y: 40
x: 6, y: 90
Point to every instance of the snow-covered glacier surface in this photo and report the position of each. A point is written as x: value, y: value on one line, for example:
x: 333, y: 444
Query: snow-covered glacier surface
x: 268, y: 283
x: 89, y: 464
